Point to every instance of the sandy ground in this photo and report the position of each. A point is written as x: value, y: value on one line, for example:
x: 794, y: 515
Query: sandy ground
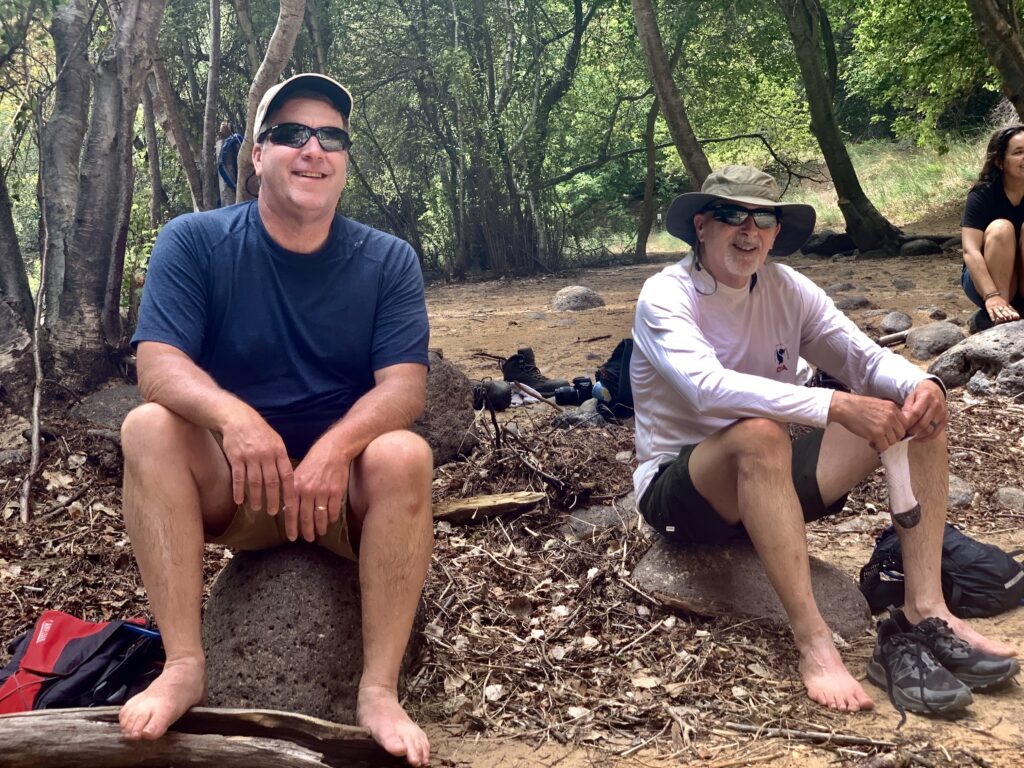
x: 497, y: 317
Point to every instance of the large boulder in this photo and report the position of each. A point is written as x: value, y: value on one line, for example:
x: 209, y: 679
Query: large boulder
x: 927, y: 341
x: 997, y: 352
x: 731, y: 581
x: 920, y: 247
x: 449, y: 413
x: 283, y: 630
x: 573, y: 298
x: 828, y: 243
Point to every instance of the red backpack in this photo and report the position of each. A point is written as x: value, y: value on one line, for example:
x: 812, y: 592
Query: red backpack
x: 66, y: 662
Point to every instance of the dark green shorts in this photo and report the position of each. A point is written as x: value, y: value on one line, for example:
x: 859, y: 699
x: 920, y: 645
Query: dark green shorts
x: 674, y: 507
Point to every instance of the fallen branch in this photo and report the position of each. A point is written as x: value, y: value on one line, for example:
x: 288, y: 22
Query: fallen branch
x: 227, y: 738
x: 893, y: 338
x: 823, y: 736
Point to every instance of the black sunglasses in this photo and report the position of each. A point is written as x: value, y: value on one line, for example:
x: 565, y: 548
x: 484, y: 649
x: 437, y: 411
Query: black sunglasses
x: 296, y: 135
x: 734, y: 216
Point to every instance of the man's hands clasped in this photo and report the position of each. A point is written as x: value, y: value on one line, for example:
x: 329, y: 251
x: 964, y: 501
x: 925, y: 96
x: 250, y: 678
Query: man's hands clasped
x: 310, y: 496
x: 883, y: 423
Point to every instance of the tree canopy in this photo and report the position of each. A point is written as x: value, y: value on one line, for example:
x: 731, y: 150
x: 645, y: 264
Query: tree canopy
x: 502, y: 137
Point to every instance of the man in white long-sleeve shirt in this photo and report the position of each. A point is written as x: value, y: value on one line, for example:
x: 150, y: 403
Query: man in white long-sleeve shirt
x: 717, y: 338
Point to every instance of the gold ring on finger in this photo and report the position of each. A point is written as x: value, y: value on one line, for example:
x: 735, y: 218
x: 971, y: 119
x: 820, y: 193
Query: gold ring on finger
x: 320, y: 508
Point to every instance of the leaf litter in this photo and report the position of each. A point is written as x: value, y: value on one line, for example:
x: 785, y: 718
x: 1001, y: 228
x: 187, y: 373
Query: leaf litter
x: 535, y: 630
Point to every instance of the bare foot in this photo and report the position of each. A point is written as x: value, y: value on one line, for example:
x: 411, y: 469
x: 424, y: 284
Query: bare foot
x: 826, y: 678
x: 180, y: 686
x: 378, y: 710
x: 964, y: 631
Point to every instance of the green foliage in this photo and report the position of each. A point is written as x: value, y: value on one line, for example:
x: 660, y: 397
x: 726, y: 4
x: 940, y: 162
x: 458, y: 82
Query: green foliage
x: 926, y: 179
x: 920, y: 57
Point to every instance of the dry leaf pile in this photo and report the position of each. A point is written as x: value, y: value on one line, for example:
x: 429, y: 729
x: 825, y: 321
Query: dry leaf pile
x: 534, y: 627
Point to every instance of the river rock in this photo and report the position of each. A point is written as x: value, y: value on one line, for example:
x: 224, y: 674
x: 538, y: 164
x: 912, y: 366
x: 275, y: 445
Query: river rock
x: 896, y: 321
x: 998, y: 352
x: 929, y: 340
x: 952, y: 243
x: 1008, y: 498
x: 730, y: 581
x: 850, y: 303
x: 573, y: 298
x: 836, y: 288
x: 961, y: 493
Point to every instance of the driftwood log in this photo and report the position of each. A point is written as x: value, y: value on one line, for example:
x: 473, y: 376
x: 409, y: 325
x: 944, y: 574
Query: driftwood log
x: 217, y: 738
x: 482, y: 507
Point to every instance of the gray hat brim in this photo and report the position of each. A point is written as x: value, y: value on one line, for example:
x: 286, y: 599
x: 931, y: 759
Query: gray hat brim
x: 797, y: 219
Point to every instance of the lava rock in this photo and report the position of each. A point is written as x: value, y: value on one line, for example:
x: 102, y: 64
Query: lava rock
x: 446, y: 420
x: 998, y: 352
x: 283, y: 630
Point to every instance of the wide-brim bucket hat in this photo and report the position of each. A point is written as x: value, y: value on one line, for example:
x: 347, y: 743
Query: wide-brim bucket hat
x: 307, y: 81
x: 742, y: 184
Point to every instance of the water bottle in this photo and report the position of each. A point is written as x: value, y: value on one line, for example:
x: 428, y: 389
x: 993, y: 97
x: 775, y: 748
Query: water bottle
x: 601, y: 392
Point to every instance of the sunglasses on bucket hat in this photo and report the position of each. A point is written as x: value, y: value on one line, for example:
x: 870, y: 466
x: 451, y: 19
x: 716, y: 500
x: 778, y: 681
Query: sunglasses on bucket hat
x: 296, y: 135
x: 735, y: 215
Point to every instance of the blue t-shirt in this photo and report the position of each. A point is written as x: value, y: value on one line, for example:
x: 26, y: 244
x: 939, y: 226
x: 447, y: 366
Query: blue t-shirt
x: 296, y: 336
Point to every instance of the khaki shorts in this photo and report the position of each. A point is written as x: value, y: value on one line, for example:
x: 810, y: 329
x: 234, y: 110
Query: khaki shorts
x: 254, y: 529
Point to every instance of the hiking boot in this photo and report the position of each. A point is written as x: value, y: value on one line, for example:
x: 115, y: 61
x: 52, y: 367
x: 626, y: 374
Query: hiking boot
x: 980, y: 321
x: 904, y: 666
x: 496, y: 394
x: 522, y: 367
x: 976, y: 669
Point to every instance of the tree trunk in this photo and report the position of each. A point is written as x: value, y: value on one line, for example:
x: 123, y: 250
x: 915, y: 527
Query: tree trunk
x: 89, y: 328
x: 208, y: 165
x: 245, y: 25
x: 167, y: 112
x: 279, y: 51
x: 867, y: 227
x: 157, y: 198
x: 672, y: 106
x: 648, y: 211
x: 14, y: 288
x: 316, y: 34
x: 999, y: 30
x: 61, y: 142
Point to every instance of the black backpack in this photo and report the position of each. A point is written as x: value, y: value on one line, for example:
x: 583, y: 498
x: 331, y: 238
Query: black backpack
x: 978, y: 579
x: 614, y: 377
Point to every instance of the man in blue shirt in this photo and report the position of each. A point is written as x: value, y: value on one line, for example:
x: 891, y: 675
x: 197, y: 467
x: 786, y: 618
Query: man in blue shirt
x: 282, y: 352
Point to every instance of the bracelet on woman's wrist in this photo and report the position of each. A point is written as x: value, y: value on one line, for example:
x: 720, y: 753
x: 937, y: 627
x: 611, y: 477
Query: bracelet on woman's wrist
x: 990, y: 295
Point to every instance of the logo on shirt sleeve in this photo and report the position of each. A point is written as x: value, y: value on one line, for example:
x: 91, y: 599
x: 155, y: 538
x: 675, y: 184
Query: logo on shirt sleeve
x: 781, y: 356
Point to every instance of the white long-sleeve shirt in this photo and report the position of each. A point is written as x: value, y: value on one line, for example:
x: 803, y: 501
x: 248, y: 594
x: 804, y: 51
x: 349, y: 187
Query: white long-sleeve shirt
x: 706, y: 356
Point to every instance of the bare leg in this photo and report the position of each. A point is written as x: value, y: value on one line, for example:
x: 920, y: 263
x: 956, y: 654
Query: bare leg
x: 744, y: 471
x: 922, y: 545
x: 389, y: 495
x: 173, y: 471
x: 1000, y: 250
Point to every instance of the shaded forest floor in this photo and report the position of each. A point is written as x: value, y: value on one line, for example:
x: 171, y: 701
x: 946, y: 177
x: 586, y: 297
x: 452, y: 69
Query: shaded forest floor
x: 539, y: 650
